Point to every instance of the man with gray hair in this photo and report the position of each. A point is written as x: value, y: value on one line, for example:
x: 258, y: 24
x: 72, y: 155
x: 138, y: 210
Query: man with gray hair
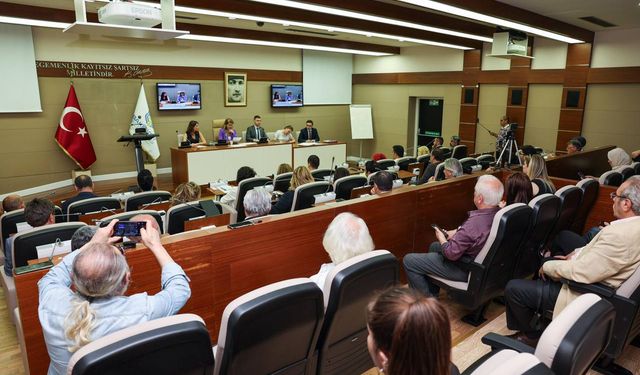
x: 257, y: 202
x: 452, y: 168
x: 346, y: 237
x: 468, y: 240
x: 82, y: 298
x: 82, y: 236
x: 611, y: 257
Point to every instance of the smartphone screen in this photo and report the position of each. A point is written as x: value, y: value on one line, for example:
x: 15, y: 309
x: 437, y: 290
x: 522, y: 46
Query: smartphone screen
x: 435, y: 226
x: 128, y: 228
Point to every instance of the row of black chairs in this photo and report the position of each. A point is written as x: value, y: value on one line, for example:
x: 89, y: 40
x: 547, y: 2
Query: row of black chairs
x: 290, y: 327
x: 616, y: 178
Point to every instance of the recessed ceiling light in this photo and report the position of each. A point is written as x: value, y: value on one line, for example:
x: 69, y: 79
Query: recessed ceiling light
x: 208, y: 38
x: 368, y: 17
x: 214, y: 13
x: 460, y: 12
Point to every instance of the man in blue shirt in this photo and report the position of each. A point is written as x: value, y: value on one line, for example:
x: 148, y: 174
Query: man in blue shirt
x: 100, y: 275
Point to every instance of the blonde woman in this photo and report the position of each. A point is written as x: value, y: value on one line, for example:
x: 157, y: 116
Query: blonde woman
x: 536, y: 169
x: 284, y: 168
x: 186, y: 192
x: 301, y: 176
x: 82, y: 298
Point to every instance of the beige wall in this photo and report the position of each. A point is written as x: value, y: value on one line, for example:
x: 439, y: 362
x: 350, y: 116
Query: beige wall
x: 491, y: 106
x: 543, y: 115
x: 411, y: 59
x: 614, y: 48
x: 391, y: 112
x: 612, y: 116
x: 54, y: 45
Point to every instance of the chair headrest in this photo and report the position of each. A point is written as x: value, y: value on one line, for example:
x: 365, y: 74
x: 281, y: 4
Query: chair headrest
x: 346, y: 264
x: 233, y: 305
x: 493, y: 233
x: 556, y: 331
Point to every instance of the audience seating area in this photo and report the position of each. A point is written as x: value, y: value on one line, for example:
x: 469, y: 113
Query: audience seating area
x: 251, y: 297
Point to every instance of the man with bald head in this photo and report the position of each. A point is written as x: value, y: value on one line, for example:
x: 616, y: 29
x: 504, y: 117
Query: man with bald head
x: 82, y: 298
x: 467, y: 240
x: 12, y: 202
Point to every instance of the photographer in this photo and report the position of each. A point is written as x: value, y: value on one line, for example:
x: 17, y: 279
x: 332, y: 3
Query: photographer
x: 507, y: 131
x: 82, y: 298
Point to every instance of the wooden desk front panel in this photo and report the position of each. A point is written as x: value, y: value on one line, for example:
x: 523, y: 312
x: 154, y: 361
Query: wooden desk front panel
x: 591, y: 163
x: 223, y: 263
x: 325, y: 151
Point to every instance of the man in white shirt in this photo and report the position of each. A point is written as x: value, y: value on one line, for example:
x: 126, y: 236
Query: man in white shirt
x: 346, y: 237
x: 285, y: 134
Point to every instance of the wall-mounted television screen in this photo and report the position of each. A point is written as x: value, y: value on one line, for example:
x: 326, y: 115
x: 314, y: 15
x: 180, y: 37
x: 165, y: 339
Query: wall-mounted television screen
x: 178, y: 96
x: 286, y: 96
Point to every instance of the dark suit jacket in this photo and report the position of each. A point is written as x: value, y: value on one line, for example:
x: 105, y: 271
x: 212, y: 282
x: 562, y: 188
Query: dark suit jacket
x: 84, y: 195
x: 304, y: 135
x: 283, y: 205
x: 428, y: 173
x: 251, y: 133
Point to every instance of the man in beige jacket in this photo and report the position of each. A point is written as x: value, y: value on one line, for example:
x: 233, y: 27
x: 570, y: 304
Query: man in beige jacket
x: 610, y: 258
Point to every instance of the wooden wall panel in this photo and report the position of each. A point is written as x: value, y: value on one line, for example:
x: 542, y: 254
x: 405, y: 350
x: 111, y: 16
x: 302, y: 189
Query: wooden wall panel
x: 614, y: 75
x: 570, y: 119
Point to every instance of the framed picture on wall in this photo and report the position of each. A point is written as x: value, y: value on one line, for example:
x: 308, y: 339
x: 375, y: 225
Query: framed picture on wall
x: 235, y: 89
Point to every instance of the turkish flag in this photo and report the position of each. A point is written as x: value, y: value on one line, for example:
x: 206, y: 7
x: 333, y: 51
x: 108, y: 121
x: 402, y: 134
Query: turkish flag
x: 72, y: 134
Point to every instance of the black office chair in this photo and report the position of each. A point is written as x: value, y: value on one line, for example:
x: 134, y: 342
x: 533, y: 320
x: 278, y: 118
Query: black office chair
x: 446, y: 152
x: 424, y: 159
x: 24, y: 243
x: 10, y: 220
x: 611, y: 178
x: 177, y: 215
x: 485, y: 160
x: 271, y: 330
x: 459, y: 152
x: 342, y: 345
x: 439, y: 173
x: 627, y: 172
x: 90, y: 205
x: 303, y: 196
x: 343, y: 186
x: 129, y: 214
x: 243, y: 187
x: 626, y: 301
x: 320, y: 174
x: 573, y: 341
x: 141, y: 200
x: 384, y: 164
x: 467, y: 164
x: 545, y: 209
x: 282, y: 182
x: 178, y: 344
x: 491, y: 269
x: 404, y: 162
x: 570, y: 198
x: 510, y: 362
x: 636, y: 168
x: 589, y: 188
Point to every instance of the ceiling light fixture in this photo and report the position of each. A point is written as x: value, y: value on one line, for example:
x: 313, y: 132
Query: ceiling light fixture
x: 218, y: 39
x: 440, y: 7
x: 31, y: 22
x: 214, y: 13
x: 368, y: 17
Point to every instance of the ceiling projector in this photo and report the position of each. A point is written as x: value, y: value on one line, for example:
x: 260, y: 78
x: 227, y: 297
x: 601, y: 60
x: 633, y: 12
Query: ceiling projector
x: 129, y: 14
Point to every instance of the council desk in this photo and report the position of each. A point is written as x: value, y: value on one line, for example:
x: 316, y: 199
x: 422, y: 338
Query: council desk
x: 204, y: 164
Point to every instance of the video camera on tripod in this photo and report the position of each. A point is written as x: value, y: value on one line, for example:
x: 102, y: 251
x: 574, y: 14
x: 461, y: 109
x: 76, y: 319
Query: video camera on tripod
x: 511, y: 131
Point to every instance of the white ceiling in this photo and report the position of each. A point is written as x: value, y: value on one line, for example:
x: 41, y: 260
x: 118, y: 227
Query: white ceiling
x: 623, y: 13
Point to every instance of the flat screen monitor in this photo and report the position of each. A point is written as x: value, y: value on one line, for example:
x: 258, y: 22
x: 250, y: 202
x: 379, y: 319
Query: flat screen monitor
x: 178, y: 96
x: 286, y: 96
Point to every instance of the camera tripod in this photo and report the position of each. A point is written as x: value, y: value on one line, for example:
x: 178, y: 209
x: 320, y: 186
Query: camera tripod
x: 510, y: 144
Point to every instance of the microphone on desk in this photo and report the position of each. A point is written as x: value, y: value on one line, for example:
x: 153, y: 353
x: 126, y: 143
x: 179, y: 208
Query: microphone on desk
x: 58, y: 242
x: 158, y: 199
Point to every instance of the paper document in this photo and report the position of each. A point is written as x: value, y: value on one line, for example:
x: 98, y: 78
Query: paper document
x: 62, y: 247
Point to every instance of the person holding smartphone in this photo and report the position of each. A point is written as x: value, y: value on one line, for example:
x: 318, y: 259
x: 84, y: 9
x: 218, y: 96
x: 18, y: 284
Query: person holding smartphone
x: 451, y: 245
x: 82, y: 298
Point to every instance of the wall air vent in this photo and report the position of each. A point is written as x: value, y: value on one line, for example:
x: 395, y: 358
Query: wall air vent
x: 310, y: 32
x: 598, y: 21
